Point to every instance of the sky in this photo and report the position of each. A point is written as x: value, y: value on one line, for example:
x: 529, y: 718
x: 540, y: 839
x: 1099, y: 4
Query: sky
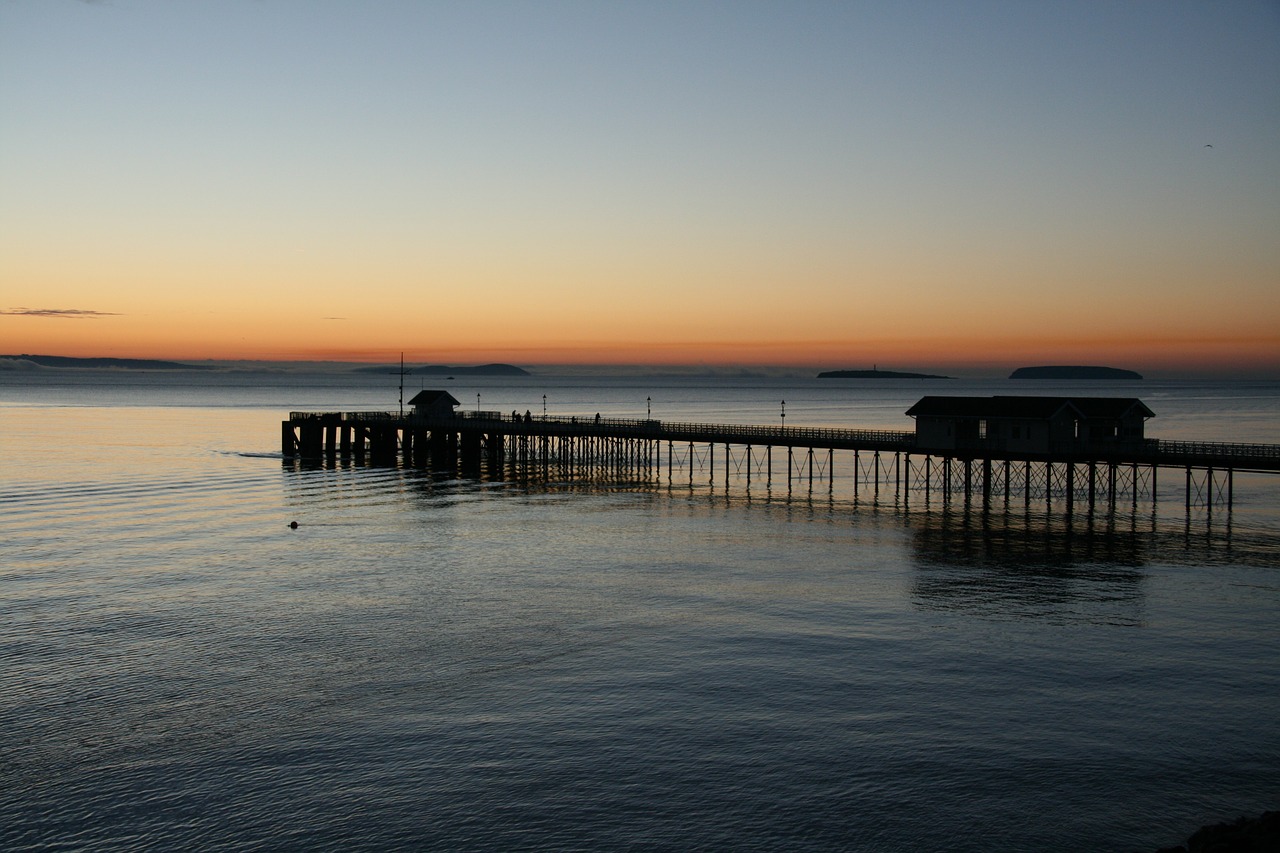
x: 936, y: 186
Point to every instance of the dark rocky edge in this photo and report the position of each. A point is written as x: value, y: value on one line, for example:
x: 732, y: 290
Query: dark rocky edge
x: 99, y: 363
x: 1073, y: 372
x: 876, y: 374
x: 1246, y: 835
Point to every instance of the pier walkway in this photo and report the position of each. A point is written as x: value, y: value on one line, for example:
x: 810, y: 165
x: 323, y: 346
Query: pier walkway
x: 498, y: 445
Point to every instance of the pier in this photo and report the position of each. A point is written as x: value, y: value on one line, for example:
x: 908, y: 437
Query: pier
x: 982, y: 466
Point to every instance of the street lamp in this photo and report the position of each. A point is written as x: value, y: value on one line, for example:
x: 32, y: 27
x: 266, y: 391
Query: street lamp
x: 784, y: 413
x: 544, y: 407
x: 648, y: 407
x: 477, y: 402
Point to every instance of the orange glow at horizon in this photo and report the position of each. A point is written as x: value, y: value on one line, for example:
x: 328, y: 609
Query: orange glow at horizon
x: 199, y: 339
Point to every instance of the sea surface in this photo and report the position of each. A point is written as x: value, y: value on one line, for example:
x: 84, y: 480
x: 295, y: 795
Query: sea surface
x: 434, y: 663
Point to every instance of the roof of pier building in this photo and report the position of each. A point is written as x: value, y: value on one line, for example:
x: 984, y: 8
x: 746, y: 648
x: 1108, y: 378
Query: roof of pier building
x: 433, y: 400
x: 1030, y: 408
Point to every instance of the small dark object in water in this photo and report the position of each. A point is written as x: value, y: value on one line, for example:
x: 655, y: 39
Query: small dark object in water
x: 293, y: 525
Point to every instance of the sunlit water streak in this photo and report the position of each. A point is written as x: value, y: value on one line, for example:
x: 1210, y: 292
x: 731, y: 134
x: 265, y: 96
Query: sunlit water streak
x: 440, y: 663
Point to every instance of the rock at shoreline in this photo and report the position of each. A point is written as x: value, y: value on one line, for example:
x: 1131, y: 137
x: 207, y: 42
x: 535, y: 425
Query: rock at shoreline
x: 1246, y: 835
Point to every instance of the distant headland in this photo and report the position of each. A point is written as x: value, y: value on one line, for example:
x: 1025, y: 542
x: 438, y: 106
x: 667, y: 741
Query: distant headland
x: 876, y: 373
x: 97, y: 363
x: 1073, y: 372
x: 442, y: 369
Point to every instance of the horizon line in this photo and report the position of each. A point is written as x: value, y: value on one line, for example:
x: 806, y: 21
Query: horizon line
x: 959, y: 371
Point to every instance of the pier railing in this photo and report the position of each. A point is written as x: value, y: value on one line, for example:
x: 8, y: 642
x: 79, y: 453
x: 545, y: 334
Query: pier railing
x: 688, y: 430
x: 1210, y: 448
x: 1264, y: 457
x: 338, y: 417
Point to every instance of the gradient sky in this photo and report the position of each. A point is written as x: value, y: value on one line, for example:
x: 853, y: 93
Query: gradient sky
x: 918, y: 185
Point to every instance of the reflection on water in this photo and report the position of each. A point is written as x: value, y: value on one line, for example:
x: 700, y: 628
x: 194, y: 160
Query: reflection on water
x: 1025, y: 539
x: 1079, y: 568
x: 1029, y: 565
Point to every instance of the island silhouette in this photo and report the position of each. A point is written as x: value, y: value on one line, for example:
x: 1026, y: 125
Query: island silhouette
x: 876, y: 373
x: 117, y: 363
x: 441, y: 369
x: 1073, y: 372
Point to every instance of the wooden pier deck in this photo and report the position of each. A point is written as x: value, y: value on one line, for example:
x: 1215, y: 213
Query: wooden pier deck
x: 513, y: 446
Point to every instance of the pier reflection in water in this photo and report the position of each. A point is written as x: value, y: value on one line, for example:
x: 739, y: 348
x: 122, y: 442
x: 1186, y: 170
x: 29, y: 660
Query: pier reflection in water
x: 1031, y: 565
x: 1067, y: 568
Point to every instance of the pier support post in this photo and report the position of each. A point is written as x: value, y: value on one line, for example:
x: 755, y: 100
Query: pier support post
x: 288, y: 440
x: 497, y: 454
x: 469, y: 448
x: 312, y: 441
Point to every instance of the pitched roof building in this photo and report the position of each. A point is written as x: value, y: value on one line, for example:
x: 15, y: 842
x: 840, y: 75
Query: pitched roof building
x: 433, y: 403
x: 1027, y: 424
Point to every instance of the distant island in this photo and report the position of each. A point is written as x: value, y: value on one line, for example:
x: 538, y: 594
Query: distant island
x: 1073, y: 372
x: 98, y: 363
x: 443, y: 369
x: 876, y: 374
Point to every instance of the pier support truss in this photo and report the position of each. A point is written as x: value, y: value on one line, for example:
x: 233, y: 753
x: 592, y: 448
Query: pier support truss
x: 992, y: 482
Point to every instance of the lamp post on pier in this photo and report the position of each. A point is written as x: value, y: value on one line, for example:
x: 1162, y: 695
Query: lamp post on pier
x: 784, y: 413
x: 648, y: 407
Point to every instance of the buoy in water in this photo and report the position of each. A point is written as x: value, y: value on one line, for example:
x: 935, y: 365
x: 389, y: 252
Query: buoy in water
x: 293, y: 525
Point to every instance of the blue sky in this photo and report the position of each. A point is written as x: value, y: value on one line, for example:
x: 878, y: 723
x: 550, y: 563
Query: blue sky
x: 718, y: 181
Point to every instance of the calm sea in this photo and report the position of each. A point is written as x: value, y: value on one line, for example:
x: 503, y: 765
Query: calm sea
x: 445, y: 664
